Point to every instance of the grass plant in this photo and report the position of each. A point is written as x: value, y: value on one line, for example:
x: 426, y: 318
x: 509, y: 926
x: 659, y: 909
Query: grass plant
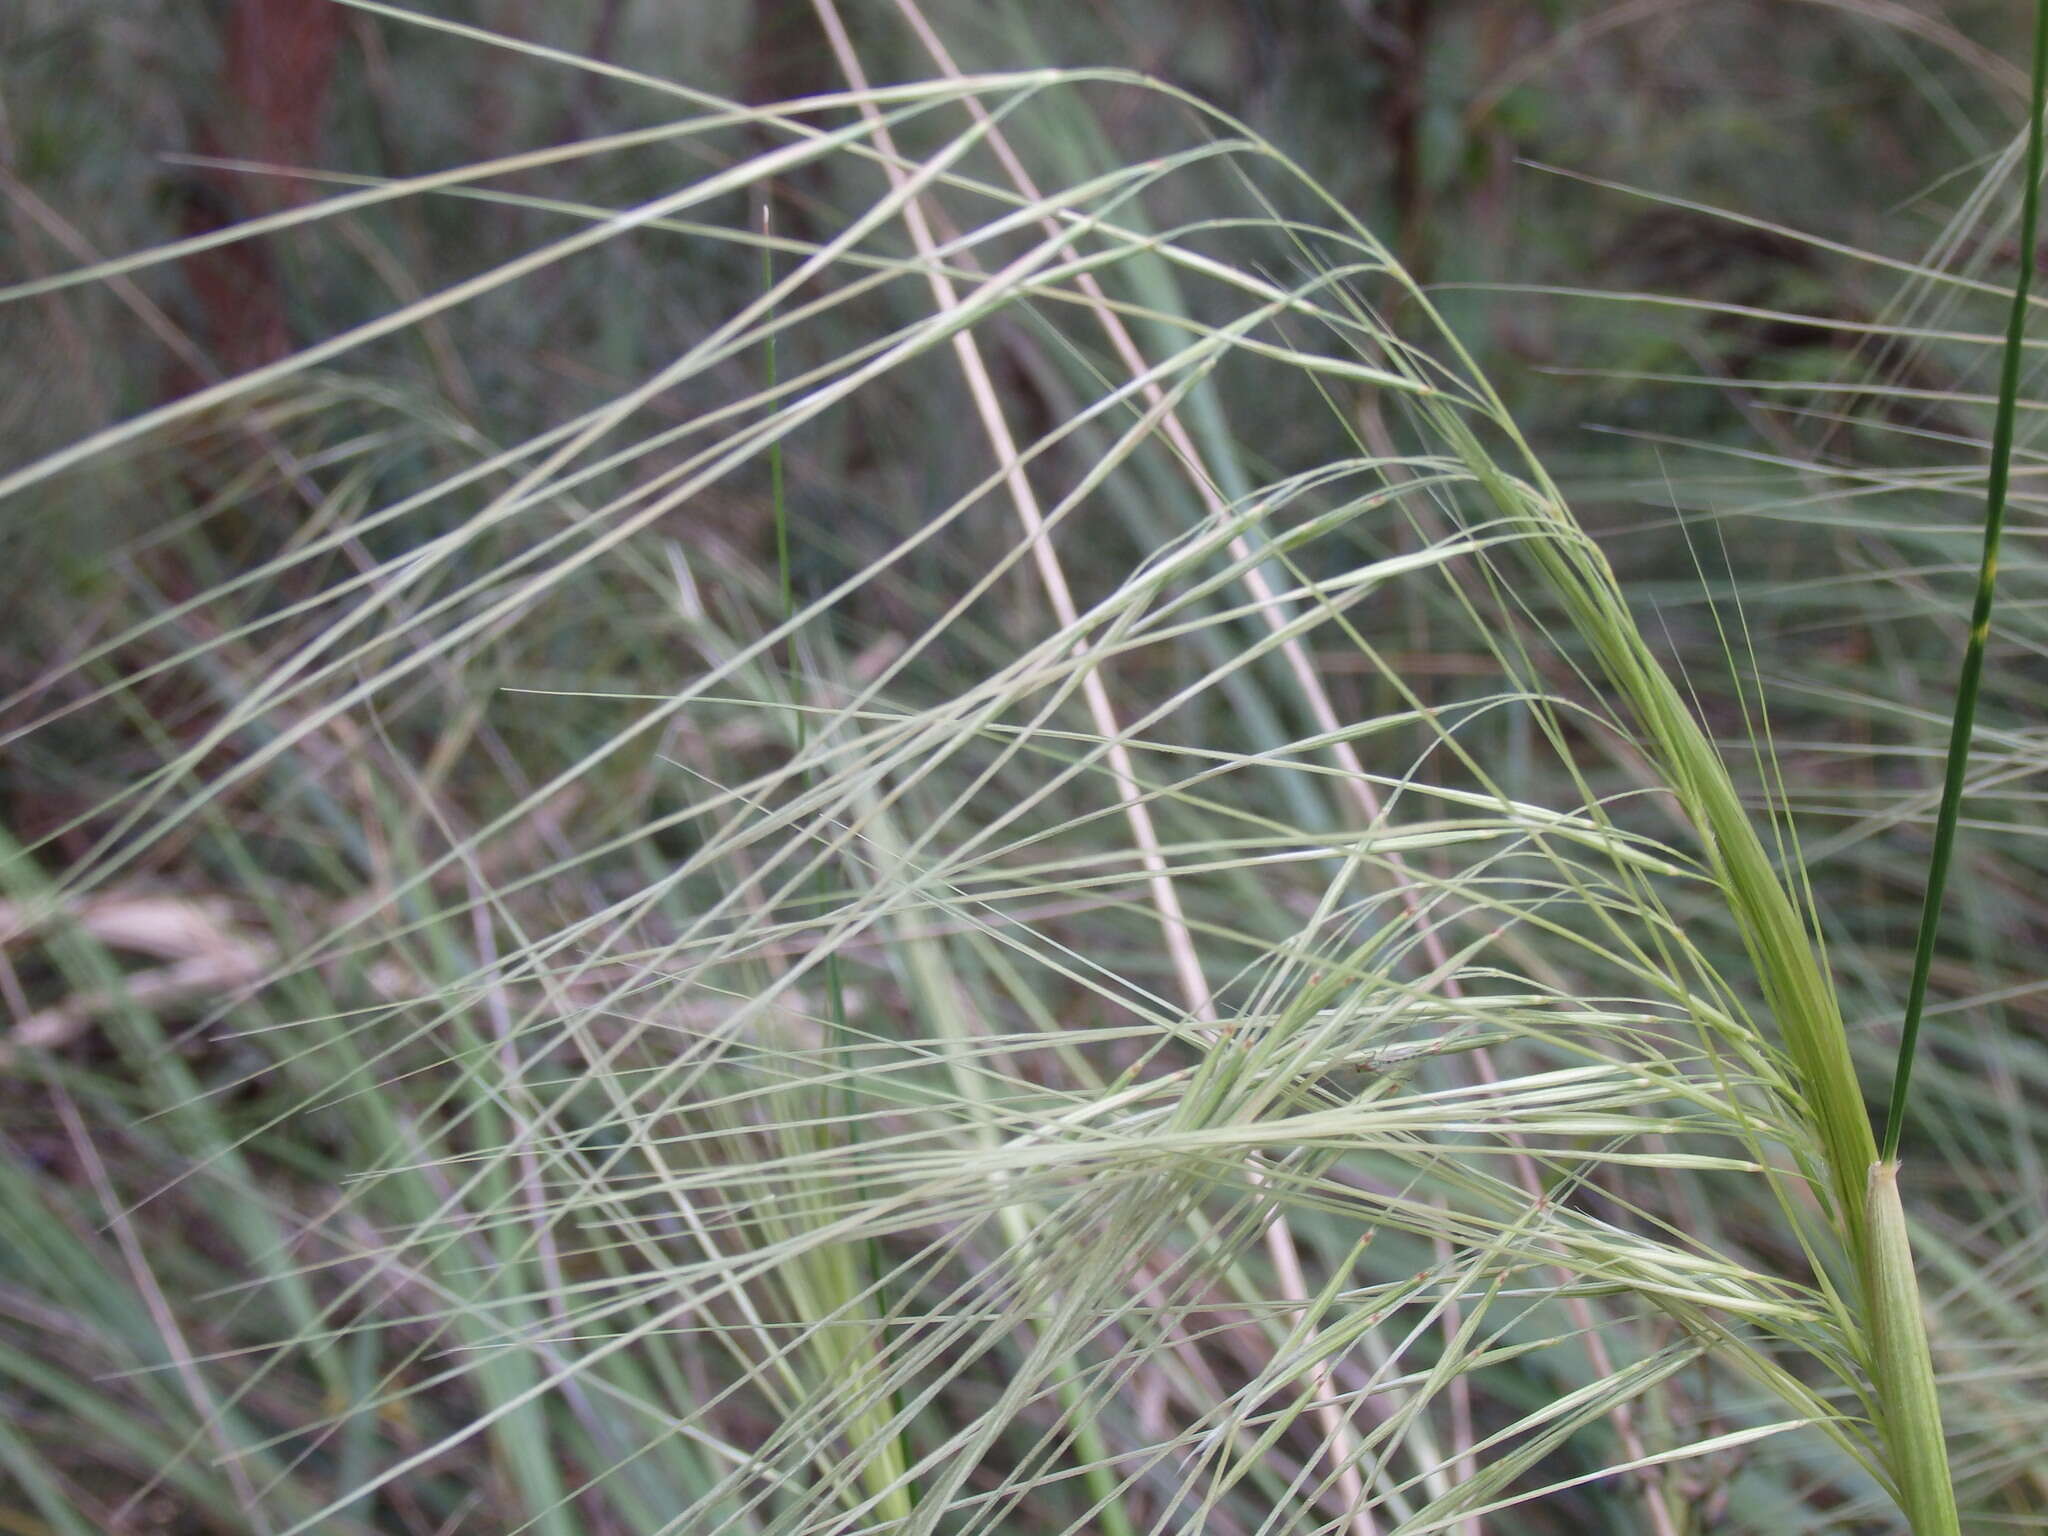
x: 1042, y: 882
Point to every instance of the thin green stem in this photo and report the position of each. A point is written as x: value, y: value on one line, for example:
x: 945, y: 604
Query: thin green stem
x: 1980, y: 616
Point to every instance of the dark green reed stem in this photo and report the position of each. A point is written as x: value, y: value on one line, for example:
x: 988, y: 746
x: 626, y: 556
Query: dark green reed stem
x: 1980, y: 615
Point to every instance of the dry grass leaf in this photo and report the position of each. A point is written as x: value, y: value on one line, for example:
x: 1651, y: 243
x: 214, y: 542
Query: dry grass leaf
x: 207, y: 956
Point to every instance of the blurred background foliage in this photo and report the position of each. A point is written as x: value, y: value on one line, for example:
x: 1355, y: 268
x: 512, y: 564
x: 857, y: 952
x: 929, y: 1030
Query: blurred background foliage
x: 1842, y: 120
x: 127, y: 124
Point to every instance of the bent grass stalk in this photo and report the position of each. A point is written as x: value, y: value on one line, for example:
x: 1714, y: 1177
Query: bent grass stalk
x: 1800, y: 993
x: 1776, y: 933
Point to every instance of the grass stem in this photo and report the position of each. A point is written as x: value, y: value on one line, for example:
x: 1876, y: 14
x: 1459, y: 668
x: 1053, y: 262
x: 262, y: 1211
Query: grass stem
x: 1980, y: 616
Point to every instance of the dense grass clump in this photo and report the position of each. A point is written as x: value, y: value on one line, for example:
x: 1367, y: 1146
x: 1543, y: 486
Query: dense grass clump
x: 1011, y: 861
